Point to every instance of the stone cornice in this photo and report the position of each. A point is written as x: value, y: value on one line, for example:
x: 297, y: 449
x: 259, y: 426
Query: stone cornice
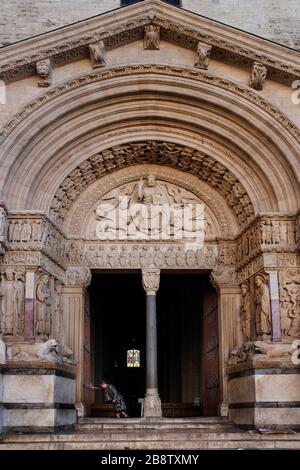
x: 127, y: 24
x: 126, y: 70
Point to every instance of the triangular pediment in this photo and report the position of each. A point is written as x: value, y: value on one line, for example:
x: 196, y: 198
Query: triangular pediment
x: 127, y: 24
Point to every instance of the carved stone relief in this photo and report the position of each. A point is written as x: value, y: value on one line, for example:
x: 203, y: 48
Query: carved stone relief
x: 97, y: 54
x: 290, y: 302
x: 44, y: 71
x: 203, y: 56
x: 258, y: 76
x: 43, y: 307
x: 150, y: 280
x: 162, y: 153
x: 262, y: 307
x: 246, y: 311
x: 151, y: 37
x: 12, y: 302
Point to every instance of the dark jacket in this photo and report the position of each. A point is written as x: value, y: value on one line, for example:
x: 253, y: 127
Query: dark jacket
x: 112, y: 394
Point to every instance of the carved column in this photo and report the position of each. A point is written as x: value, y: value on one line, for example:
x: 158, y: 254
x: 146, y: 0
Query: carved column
x: 152, y: 405
x: 230, y: 330
x: 73, y: 323
x: 275, y: 306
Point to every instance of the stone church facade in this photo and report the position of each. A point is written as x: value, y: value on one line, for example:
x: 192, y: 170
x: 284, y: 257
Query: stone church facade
x: 148, y: 101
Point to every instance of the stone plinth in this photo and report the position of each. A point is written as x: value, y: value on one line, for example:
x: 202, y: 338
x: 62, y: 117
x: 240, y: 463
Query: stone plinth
x: 264, y: 394
x: 38, y: 396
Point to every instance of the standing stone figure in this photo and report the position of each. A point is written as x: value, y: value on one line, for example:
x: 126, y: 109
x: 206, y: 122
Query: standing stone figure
x: 19, y: 303
x: 3, y: 222
x: 42, y: 304
x: 263, y: 309
x: 246, y: 311
x: 58, y: 313
x: 8, y: 303
x: 152, y: 36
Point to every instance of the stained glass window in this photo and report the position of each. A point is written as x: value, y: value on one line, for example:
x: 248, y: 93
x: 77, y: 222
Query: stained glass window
x: 133, y: 358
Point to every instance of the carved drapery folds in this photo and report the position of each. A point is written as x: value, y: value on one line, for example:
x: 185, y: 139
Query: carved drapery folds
x: 151, y: 37
x: 3, y: 228
x: 97, y: 54
x: 12, y: 302
x: 290, y: 302
x: 150, y: 280
x: 43, y: 312
x: 246, y: 311
x: 258, y: 76
x: 262, y: 307
x: 203, y: 56
x: 44, y: 71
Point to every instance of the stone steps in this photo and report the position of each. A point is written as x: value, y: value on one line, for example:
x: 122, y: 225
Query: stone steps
x: 164, y: 434
x: 140, y: 424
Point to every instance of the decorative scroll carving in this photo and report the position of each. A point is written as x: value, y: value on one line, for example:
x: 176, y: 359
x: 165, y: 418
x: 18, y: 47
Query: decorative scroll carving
x: 203, y: 56
x: 44, y: 71
x: 158, y: 69
x: 246, y: 311
x: 258, y: 76
x: 97, y: 54
x: 289, y: 281
x: 163, y: 153
x: 151, y: 37
x: 81, y: 277
x: 150, y: 279
x: 262, y: 307
x: 43, y: 305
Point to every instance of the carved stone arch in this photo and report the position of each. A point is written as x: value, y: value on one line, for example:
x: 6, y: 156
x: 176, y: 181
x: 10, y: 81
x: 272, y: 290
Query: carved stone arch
x: 256, y: 127
x: 218, y: 214
x: 191, y: 161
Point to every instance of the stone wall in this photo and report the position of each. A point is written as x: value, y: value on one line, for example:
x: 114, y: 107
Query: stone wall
x: 277, y: 20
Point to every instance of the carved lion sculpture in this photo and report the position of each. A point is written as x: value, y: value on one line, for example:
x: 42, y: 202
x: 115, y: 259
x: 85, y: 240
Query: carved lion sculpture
x: 31, y: 352
x: 272, y: 350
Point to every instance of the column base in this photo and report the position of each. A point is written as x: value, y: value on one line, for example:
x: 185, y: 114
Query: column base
x: 152, y: 404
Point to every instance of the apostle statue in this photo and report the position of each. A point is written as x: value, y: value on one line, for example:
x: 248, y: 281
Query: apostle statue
x: 246, y: 311
x: 8, y: 304
x: 42, y: 306
x: 262, y: 307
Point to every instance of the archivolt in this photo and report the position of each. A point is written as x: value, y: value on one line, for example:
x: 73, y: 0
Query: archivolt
x: 220, y: 122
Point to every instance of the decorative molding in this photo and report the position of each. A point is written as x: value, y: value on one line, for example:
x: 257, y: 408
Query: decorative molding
x: 161, y: 153
x: 180, y: 33
x: 196, y: 75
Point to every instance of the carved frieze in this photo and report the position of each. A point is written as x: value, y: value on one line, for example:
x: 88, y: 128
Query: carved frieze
x: 163, y: 153
x: 78, y: 277
x: 181, y: 34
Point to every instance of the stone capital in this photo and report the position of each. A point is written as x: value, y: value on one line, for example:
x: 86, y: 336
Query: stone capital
x: 78, y: 277
x: 224, y: 277
x: 150, y: 280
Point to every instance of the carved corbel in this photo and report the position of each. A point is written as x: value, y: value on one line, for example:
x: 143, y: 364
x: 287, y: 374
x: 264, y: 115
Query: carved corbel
x: 258, y: 76
x: 44, y: 71
x: 150, y: 280
x: 203, y: 56
x: 151, y: 37
x: 78, y: 277
x: 97, y: 54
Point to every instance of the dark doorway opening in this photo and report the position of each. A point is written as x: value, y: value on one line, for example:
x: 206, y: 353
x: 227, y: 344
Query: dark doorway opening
x: 118, y: 325
x: 187, y: 328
